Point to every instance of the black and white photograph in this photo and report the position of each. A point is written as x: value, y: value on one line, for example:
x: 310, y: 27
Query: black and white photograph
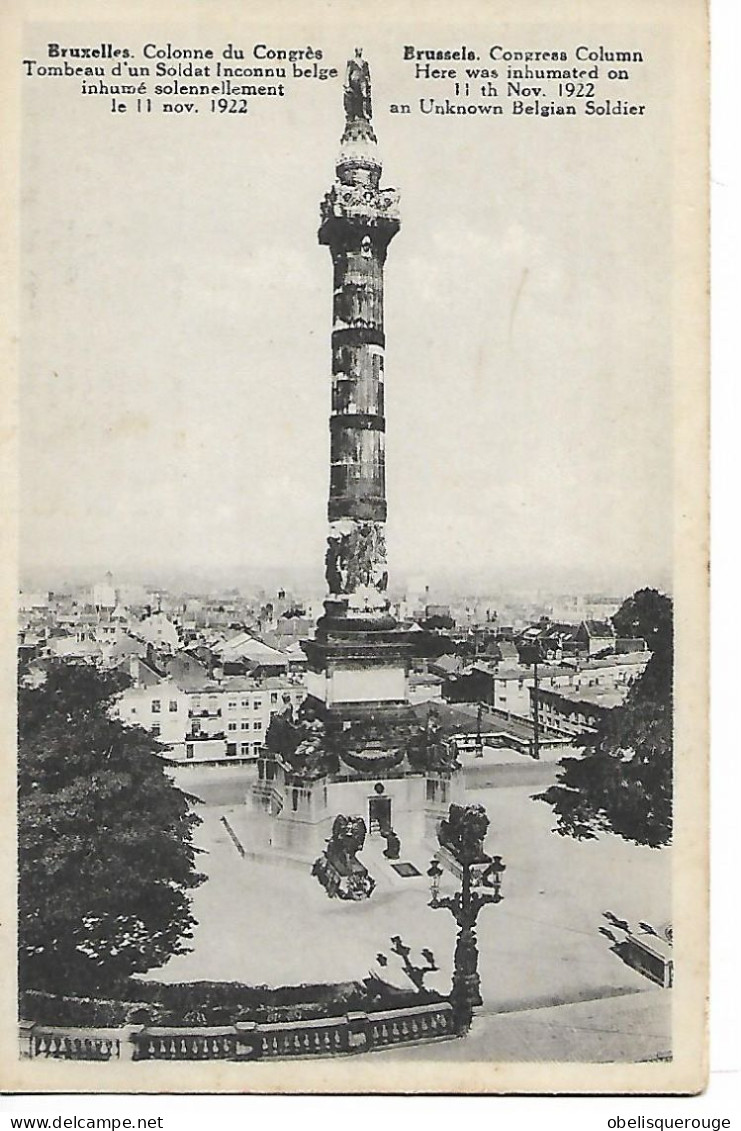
x: 359, y: 605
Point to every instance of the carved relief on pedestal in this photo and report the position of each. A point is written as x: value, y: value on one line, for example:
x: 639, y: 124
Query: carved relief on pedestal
x: 361, y: 202
x: 356, y: 557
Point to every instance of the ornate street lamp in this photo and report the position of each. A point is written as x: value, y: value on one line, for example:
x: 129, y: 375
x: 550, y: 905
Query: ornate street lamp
x: 462, y: 835
x: 434, y: 872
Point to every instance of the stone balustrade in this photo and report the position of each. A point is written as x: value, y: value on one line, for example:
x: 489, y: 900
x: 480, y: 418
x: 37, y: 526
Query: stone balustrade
x: 67, y: 1043
x: 249, y: 1040
x: 188, y: 1043
x: 410, y: 1026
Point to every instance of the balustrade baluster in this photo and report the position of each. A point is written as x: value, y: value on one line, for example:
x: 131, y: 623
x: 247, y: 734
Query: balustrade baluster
x: 329, y: 1037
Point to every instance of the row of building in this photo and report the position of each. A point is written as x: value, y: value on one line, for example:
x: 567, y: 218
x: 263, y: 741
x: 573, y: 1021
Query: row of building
x: 509, y: 689
x: 208, y: 693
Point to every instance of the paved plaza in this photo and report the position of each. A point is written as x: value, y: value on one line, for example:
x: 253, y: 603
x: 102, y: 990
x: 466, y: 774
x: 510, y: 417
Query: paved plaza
x: 629, y: 1027
x: 270, y: 922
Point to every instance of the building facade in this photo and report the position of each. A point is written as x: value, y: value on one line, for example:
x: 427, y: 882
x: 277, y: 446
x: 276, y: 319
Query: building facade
x: 217, y: 721
x: 570, y: 713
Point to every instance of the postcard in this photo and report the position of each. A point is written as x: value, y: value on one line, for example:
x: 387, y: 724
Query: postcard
x: 356, y: 455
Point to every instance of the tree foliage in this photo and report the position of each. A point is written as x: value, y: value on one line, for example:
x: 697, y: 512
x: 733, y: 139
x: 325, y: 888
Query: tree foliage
x: 106, y: 859
x: 623, y: 781
x: 647, y: 614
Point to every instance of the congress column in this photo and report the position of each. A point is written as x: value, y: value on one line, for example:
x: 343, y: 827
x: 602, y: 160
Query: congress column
x: 359, y: 219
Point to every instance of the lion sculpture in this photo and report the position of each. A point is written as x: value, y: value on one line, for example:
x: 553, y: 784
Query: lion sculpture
x: 338, y: 869
x: 463, y: 832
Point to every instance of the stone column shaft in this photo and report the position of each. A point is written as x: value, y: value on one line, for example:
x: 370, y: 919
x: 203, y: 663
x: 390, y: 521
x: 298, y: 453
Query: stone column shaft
x: 359, y: 219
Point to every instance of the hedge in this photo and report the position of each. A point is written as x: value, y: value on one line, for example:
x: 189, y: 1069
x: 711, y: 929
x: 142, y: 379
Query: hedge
x: 215, y: 1003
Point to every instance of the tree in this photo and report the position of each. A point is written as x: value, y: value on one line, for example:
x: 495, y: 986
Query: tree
x: 106, y: 858
x: 623, y: 781
x: 647, y: 614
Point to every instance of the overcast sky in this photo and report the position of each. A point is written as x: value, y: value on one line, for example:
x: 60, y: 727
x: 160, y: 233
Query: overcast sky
x: 176, y: 337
